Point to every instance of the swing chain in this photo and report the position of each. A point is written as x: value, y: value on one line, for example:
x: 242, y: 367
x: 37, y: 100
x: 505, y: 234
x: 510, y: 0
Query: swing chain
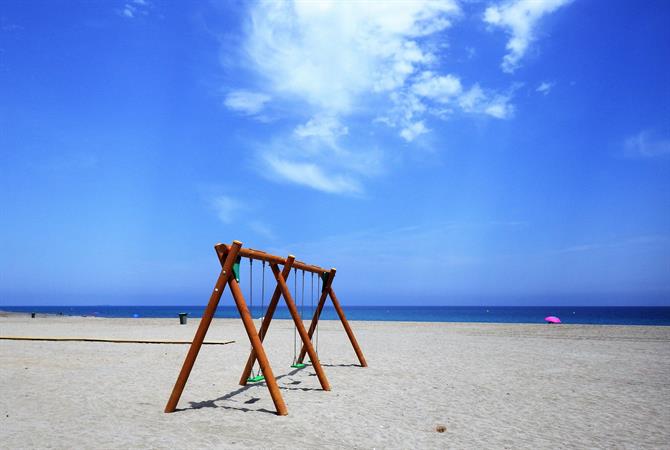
x: 311, y: 302
x: 251, y: 287
x: 258, y: 371
x: 316, y: 341
x: 302, y: 298
x: 295, y: 329
x: 263, y: 289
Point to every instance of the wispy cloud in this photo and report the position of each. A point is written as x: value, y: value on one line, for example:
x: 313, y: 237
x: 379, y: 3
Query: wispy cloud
x: 413, y: 130
x: 423, y: 246
x: 262, y: 229
x: 460, y: 257
x: 227, y: 208
x: 520, y: 19
x: 647, y: 144
x: 135, y: 8
x: 626, y: 242
x: 243, y: 215
x: 429, y: 243
x: 545, y: 87
x: 441, y: 88
x: 448, y: 91
x: 476, y: 100
x: 450, y: 252
x: 326, y: 127
x: 6, y: 26
x: 246, y: 102
x: 336, y: 69
x: 311, y: 175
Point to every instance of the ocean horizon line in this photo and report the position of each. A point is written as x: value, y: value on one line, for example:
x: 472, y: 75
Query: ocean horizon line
x: 594, y: 315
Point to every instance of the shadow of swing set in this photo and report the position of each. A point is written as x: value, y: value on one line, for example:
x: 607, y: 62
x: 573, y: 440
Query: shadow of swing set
x: 229, y: 257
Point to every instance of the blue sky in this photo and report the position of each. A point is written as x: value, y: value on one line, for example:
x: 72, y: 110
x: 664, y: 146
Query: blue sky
x: 456, y: 152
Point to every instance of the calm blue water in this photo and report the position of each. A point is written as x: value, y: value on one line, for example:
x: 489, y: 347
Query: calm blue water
x: 501, y: 314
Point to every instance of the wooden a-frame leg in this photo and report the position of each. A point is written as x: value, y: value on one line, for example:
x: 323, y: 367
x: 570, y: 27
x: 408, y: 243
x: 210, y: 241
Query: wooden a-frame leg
x: 272, y: 306
x: 328, y: 291
x: 258, y: 347
x: 347, y: 328
x: 298, y: 323
x: 206, y: 320
x: 317, y: 313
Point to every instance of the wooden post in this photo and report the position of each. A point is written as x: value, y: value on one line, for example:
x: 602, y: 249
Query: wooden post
x: 317, y: 312
x: 272, y: 306
x: 199, y: 337
x: 298, y: 323
x: 328, y: 291
x: 258, y: 347
x: 347, y: 328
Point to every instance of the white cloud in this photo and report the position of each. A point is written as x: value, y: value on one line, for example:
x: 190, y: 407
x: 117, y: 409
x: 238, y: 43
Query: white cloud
x: 134, y: 8
x: 311, y: 175
x: 331, y: 58
x: 324, y: 127
x: 335, y: 67
x: 327, y: 52
x: 407, y: 107
x: 262, y: 229
x: 128, y: 11
x: 440, y: 88
x: 413, y: 130
x: 475, y: 100
x: 499, y: 108
x: 647, y: 144
x: 246, y: 102
x: 642, y: 240
x: 448, y: 90
x: 245, y: 214
x: 227, y: 208
x: 519, y: 18
x: 545, y: 87
x: 314, y: 156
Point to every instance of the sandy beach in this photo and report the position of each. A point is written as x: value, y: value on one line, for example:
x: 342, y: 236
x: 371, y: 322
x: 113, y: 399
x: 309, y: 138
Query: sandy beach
x: 488, y: 385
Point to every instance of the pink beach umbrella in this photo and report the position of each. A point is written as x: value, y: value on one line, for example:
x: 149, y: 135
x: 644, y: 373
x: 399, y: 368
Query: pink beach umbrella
x: 552, y: 319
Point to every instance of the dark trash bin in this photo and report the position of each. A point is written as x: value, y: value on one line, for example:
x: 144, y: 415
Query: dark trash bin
x: 32, y: 315
x: 182, y: 318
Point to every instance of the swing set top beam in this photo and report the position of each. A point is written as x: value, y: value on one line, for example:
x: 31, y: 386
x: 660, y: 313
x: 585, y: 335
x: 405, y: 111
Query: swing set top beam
x: 263, y: 256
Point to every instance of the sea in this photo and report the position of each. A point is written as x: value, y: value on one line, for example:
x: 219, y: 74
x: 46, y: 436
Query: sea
x: 621, y: 315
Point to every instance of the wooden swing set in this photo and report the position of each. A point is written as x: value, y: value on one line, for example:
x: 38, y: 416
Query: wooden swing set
x: 229, y: 258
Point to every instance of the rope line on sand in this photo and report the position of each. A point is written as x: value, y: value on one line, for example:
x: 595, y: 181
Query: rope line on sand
x: 115, y: 341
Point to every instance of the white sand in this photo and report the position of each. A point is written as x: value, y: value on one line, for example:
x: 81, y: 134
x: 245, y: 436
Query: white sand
x: 490, y: 385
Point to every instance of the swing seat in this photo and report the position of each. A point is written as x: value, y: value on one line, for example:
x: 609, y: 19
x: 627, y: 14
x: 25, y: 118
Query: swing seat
x: 255, y: 379
x: 298, y: 365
